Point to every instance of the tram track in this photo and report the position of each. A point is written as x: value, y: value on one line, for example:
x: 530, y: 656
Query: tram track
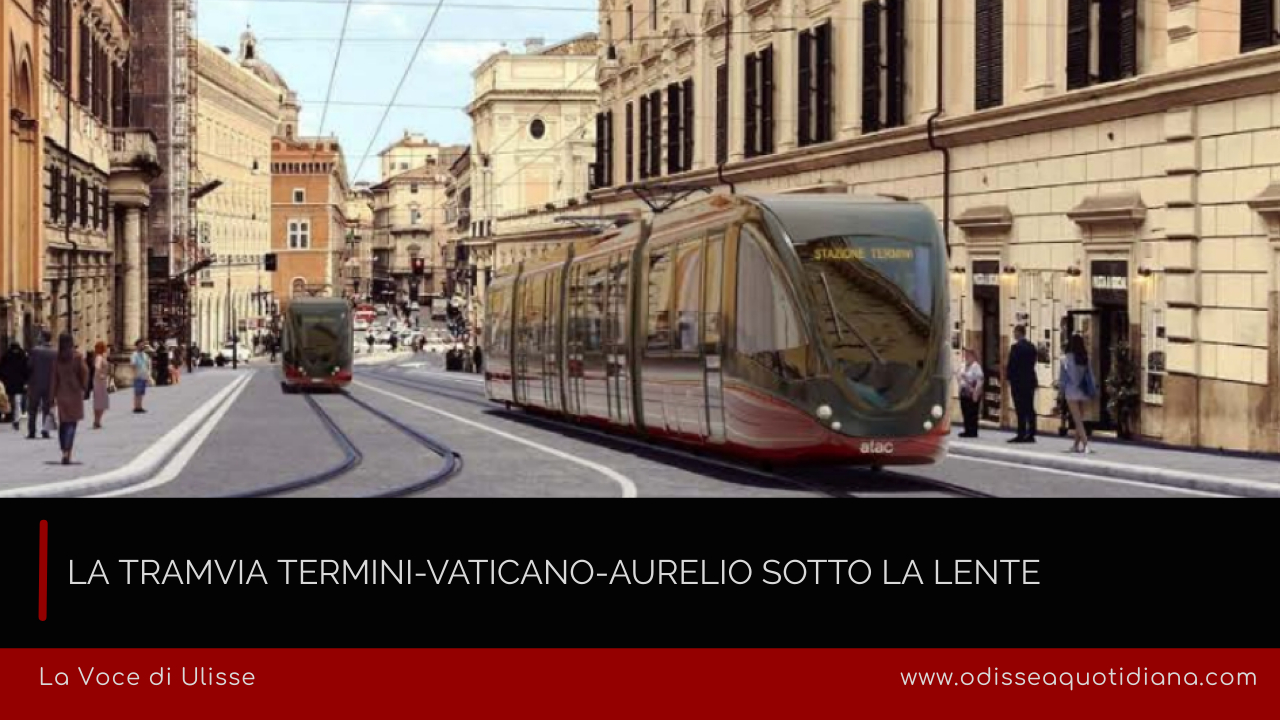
x: 353, y: 457
x: 571, y: 429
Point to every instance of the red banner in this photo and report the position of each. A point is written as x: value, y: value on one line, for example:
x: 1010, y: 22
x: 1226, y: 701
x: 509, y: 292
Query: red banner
x: 193, y: 683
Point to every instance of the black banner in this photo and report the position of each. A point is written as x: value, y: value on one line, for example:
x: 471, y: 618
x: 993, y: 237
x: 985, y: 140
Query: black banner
x: 1105, y: 575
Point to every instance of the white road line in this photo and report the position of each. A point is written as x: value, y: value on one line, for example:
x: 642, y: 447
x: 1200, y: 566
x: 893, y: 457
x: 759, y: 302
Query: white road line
x: 179, y: 461
x: 146, y: 463
x: 1100, y: 478
x: 623, y: 439
x: 447, y: 376
x: 628, y: 487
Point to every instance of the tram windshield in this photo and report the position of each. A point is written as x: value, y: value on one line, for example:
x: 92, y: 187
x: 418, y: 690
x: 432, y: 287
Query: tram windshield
x: 319, y: 339
x: 874, y: 297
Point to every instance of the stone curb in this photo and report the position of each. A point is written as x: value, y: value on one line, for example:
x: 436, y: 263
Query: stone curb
x: 1139, y: 473
x: 142, y: 467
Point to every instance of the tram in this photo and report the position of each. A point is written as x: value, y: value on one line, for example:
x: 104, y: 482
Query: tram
x: 787, y: 328
x: 316, y: 343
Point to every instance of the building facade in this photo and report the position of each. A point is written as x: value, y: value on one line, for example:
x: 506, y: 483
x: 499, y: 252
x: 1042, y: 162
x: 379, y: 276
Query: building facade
x: 1104, y: 168
x: 358, y: 265
x: 22, y: 59
x: 308, y: 220
x: 239, y: 114
x: 409, y: 216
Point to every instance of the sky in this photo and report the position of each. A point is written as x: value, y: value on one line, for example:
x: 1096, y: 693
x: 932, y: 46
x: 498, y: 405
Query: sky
x: 300, y: 38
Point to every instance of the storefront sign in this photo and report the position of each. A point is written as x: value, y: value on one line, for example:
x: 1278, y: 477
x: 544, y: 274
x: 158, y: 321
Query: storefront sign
x: 1110, y: 282
x: 986, y: 278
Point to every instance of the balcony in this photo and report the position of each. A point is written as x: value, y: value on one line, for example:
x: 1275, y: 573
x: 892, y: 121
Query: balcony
x: 132, y: 148
x: 134, y: 164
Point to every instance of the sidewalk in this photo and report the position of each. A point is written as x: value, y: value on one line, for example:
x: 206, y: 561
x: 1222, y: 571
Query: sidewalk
x: 121, y: 448
x: 1192, y: 470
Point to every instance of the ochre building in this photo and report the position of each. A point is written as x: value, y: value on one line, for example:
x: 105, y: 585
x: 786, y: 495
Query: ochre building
x: 1104, y: 168
x: 308, y: 221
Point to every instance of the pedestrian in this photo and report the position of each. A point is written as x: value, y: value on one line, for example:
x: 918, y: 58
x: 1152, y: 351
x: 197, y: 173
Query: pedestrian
x: 478, y: 359
x: 141, y: 363
x: 971, y: 379
x: 274, y: 344
x: 13, y: 376
x: 39, y: 381
x: 394, y: 342
x: 1021, y: 376
x: 100, y: 380
x: 368, y: 337
x: 70, y: 376
x: 175, y: 370
x: 189, y: 354
x: 1076, y: 382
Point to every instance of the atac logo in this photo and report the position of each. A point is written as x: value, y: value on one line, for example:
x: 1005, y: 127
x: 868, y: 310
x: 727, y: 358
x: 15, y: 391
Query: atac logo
x: 877, y: 447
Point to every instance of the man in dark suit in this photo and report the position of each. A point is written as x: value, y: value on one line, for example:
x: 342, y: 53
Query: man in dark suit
x: 1021, y: 376
x: 39, y: 385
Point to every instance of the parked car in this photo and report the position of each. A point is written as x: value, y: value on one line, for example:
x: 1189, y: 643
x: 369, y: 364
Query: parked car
x: 229, y: 351
x: 361, y: 325
x: 381, y: 309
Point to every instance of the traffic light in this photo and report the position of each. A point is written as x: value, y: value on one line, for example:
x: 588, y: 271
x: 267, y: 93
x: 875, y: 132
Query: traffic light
x: 269, y: 262
x: 419, y: 266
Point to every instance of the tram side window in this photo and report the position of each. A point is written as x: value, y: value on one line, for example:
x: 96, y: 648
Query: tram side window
x: 575, y: 311
x: 688, y: 297
x: 618, y: 276
x: 536, y: 316
x: 714, y: 288
x: 597, y: 280
x: 658, y: 294
x: 768, y: 328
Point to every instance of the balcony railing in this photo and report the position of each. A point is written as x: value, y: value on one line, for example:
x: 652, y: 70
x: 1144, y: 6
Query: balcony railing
x: 132, y: 147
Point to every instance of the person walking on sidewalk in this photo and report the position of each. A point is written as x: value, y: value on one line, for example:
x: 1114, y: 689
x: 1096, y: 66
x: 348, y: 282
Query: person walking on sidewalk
x: 971, y: 379
x: 13, y: 375
x: 1021, y: 376
x: 100, y: 378
x: 39, y: 381
x: 70, y: 377
x: 1075, y: 379
x: 141, y: 374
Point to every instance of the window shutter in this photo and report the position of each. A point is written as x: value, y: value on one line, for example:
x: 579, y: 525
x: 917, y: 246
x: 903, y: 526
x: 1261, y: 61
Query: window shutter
x: 629, y: 137
x: 71, y: 200
x: 597, y: 170
x: 687, y: 126
x: 608, y: 152
x: 655, y: 133
x: 55, y: 193
x: 1128, y: 38
x: 895, y: 113
x: 750, y: 148
x: 644, y: 136
x: 722, y: 113
x: 989, y: 54
x: 86, y: 65
x: 871, y: 94
x: 805, y: 89
x: 822, y: 39
x: 1109, y: 41
x: 674, y: 116
x: 1078, y: 41
x: 1257, y: 24
x: 766, y: 101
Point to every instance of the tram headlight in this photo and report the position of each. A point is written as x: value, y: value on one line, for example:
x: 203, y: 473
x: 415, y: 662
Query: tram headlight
x: 928, y: 425
x: 936, y: 412
x: 836, y: 426
x: 824, y: 412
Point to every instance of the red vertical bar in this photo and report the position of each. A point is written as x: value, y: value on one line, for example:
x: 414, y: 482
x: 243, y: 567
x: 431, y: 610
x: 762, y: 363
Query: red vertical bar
x: 44, y: 568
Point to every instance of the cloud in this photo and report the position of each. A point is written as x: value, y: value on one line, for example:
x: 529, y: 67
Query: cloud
x: 381, y: 16
x: 466, y: 54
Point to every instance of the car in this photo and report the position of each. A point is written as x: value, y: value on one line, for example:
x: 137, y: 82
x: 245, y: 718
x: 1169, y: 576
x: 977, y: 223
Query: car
x: 414, y: 306
x: 230, y: 351
x: 361, y: 325
x: 380, y: 309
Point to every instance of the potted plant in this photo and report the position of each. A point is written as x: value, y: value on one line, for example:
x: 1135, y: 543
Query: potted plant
x: 1122, y: 389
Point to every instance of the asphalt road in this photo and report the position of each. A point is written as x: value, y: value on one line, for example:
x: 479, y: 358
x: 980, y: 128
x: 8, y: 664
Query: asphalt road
x: 267, y: 440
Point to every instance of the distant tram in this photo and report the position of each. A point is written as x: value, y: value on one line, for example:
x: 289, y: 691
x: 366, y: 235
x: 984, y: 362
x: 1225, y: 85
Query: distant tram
x: 316, y: 344
x: 781, y: 329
